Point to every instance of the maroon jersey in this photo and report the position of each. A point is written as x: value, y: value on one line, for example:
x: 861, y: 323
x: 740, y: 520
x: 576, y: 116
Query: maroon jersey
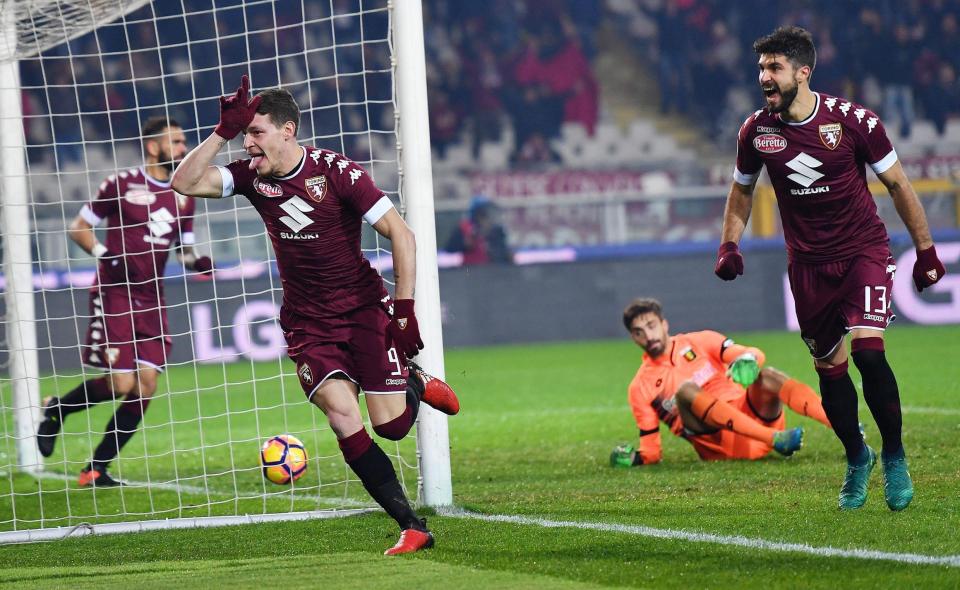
x: 144, y: 218
x: 314, y: 217
x: 817, y: 167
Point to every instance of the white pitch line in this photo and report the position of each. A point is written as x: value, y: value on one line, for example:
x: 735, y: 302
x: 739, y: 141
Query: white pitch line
x: 924, y: 410
x: 199, y: 490
x: 731, y: 540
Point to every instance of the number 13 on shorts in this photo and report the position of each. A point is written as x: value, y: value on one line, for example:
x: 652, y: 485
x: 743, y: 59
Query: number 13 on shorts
x: 878, y: 295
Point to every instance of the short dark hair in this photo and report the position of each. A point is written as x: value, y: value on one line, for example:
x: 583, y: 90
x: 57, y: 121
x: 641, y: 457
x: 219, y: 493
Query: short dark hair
x: 280, y: 105
x: 155, y: 125
x: 794, y: 43
x: 640, y: 306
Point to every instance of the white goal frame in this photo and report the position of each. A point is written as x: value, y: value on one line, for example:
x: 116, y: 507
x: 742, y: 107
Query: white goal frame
x: 416, y: 186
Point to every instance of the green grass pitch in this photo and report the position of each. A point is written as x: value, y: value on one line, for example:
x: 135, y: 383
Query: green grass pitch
x: 532, y: 441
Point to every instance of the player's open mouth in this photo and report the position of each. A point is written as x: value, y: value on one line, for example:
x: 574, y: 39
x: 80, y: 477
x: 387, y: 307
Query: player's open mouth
x: 771, y: 92
x: 255, y: 160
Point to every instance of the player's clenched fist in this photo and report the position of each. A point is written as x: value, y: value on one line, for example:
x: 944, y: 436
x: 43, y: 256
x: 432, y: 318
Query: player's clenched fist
x: 928, y: 269
x: 236, y: 111
x: 729, y: 261
x: 403, y: 330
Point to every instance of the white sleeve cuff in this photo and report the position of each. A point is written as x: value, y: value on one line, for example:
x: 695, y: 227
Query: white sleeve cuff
x: 744, y: 179
x: 89, y: 216
x: 378, y: 210
x: 226, y: 177
x: 885, y: 163
x: 188, y: 238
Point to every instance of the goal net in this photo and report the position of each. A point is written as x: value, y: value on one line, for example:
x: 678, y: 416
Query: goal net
x: 77, y: 80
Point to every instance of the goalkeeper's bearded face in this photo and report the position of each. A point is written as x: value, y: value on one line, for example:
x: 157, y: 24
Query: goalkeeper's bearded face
x: 650, y: 332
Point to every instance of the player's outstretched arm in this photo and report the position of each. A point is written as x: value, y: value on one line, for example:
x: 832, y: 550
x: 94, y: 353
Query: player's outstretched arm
x: 736, y: 213
x: 928, y: 269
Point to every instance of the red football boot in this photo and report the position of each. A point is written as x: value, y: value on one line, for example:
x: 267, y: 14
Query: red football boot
x: 435, y: 393
x: 411, y: 540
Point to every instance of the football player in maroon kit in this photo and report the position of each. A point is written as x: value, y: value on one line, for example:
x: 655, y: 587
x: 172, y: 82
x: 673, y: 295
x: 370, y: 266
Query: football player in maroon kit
x: 342, y: 330
x: 816, y: 148
x: 127, y: 336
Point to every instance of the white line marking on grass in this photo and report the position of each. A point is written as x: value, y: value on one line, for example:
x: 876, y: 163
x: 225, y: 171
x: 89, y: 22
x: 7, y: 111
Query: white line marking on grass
x: 923, y: 410
x: 202, y: 491
x: 731, y: 540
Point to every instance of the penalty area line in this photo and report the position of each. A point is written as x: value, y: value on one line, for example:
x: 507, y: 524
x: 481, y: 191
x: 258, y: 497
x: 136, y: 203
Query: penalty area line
x: 728, y: 540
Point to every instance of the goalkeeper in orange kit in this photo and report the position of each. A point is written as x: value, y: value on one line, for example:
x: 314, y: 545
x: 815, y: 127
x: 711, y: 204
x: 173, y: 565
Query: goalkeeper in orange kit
x: 714, y: 393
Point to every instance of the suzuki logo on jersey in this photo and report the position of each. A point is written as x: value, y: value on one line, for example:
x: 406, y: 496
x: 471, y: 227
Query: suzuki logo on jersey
x: 316, y: 188
x: 769, y: 143
x: 160, y: 224
x: 297, y: 218
x: 804, y: 174
x: 830, y: 135
x: 266, y: 189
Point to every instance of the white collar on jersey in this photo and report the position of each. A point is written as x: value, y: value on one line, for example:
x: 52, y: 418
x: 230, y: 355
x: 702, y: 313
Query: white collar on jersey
x: 816, y: 109
x: 154, y: 180
x: 303, y: 160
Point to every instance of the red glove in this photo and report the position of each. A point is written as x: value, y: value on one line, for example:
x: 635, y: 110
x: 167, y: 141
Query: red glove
x: 928, y: 269
x: 236, y: 111
x: 203, y: 265
x: 729, y: 261
x: 403, y: 330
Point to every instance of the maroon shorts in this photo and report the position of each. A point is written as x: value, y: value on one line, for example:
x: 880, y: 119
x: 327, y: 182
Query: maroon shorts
x: 359, y: 354
x: 125, y: 330
x: 833, y: 298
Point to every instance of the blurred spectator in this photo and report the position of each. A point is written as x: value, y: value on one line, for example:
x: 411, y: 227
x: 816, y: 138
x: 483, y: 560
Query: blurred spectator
x: 480, y: 236
x: 535, y: 152
x: 444, y: 122
x: 896, y: 75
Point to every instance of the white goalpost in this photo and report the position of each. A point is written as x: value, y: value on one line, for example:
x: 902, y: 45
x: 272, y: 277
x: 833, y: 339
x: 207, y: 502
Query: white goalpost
x: 77, y: 80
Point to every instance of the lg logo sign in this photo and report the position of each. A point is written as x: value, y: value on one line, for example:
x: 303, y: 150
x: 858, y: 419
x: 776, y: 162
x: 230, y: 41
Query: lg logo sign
x: 941, y: 306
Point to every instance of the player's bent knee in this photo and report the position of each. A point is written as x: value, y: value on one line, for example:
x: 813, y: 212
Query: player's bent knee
x: 687, y: 393
x: 393, y: 430
x: 772, y: 379
x: 122, y: 384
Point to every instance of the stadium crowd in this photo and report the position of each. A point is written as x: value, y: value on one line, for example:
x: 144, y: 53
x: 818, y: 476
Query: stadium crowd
x: 897, y: 57
x: 522, y: 64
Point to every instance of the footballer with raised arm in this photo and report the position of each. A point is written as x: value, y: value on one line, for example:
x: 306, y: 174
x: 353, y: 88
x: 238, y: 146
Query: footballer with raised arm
x: 712, y: 392
x: 342, y: 329
x: 128, y: 336
x: 816, y: 148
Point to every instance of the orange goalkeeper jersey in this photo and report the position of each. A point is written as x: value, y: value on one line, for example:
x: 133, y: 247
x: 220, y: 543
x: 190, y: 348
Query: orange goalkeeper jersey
x: 700, y: 357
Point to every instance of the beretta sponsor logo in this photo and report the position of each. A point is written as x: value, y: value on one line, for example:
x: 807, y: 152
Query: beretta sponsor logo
x: 266, y: 189
x: 769, y: 143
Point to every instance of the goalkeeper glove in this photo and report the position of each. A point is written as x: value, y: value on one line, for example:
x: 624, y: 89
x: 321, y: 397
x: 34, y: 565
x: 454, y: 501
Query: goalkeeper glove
x: 729, y: 261
x: 624, y: 456
x: 236, y: 111
x: 928, y: 269
x: 403, y: 330
x: 744, y: 369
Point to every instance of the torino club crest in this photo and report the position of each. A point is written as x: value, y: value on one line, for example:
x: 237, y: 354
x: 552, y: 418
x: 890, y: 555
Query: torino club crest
x: 316, y: 187
x: 830, y: 135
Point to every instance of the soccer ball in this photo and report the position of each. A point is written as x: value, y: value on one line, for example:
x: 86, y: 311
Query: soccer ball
x: 283, y: 458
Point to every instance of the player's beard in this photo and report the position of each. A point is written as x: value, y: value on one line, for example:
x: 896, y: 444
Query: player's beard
x: 787, y: 96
